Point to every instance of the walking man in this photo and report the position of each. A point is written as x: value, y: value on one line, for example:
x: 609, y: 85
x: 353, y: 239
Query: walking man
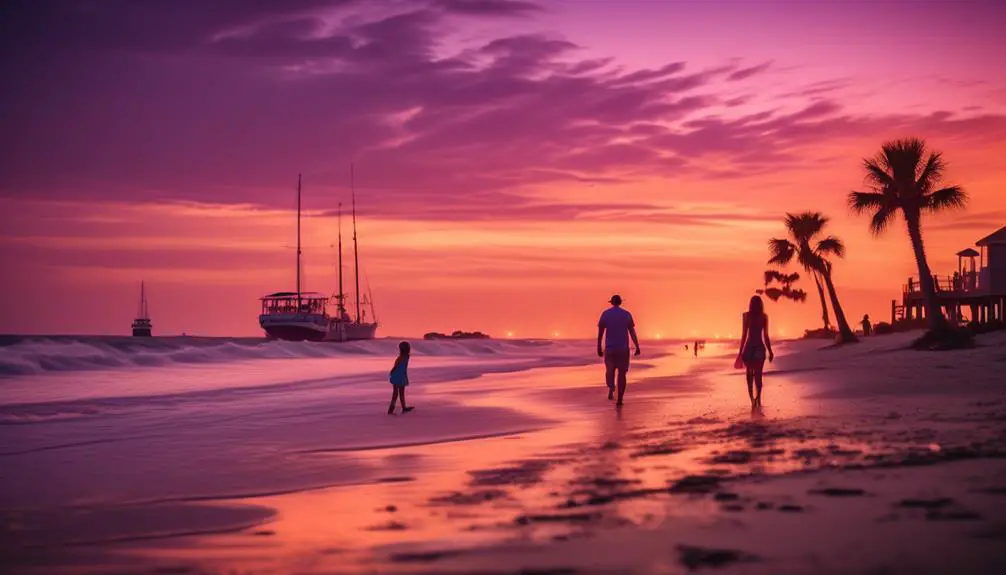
x: 617, y: 323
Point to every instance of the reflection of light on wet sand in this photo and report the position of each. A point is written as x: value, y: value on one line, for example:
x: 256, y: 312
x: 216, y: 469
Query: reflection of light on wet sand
x: 682, y: 417
x: 608, y: 469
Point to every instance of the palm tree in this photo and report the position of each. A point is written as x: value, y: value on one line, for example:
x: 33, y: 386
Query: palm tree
x: 785, y: 289
x: 905, y: 177
x: 824, y: 303
x: 813, y: 254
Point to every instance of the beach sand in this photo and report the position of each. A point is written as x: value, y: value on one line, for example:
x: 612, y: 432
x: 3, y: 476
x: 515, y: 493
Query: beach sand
x: 867, y: 458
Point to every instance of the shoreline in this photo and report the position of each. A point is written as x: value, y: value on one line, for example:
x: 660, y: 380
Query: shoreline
x: 685, y: 478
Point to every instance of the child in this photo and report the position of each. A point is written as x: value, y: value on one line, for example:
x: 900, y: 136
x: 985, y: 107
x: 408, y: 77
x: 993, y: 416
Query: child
x: 400, y: 377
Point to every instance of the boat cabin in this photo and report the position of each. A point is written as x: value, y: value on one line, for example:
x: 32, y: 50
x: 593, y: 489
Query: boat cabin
x: 287, y: 303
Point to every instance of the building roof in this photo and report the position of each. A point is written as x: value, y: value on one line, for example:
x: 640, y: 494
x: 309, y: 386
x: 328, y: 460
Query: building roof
x: 996, y: 237
x: 968, y: 253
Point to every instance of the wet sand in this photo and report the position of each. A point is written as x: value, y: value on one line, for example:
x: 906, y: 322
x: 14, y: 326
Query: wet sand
x: 868, y: 458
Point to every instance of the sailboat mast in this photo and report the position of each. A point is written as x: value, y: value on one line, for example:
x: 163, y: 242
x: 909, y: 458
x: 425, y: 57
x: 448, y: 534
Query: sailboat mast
x: 356, y: 255
x: 298, y: 243
x: 143, y: 301
x: 341, y: 296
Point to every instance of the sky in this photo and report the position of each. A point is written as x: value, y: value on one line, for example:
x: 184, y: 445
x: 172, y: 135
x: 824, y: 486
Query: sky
x: 516, y: 162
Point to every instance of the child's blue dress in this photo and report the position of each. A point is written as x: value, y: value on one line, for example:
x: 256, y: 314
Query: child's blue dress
x: 400, y: 375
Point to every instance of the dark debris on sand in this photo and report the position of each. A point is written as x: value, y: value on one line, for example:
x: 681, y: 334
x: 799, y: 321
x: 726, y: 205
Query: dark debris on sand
x: 695, y: 484
x: 425, y: 556
x: 926, y: 503
x: 952, y: 515
x: 660, y: 448
x: 557, y: 518
x: 606, y: 482
x: 593, y: 498
x: 838, y: 492
x: 389, y: 526
x: 695, y: 558
x: 473, y: 498
x: 524, y: 473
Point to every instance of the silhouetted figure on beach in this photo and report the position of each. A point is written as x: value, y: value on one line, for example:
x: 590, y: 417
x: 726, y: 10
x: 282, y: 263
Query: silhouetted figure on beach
x: 615, y: 327
x: 400, y: 377
x: 755, y: 343
x: 867, y: 326
x: 696, y: 348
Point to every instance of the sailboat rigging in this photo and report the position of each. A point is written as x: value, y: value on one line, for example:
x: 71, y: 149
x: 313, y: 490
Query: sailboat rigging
x: 300, y: 315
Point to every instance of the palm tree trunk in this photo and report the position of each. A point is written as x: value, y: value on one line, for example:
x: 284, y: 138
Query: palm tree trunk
x: 934, y: 314
x: 845, y: 334
x: 824, y: 304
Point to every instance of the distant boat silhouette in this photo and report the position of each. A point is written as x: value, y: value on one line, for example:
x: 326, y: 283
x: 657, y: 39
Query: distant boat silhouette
x: 303, y: 316
x: 141, y: 325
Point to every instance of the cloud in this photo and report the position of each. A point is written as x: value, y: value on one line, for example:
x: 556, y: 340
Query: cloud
x: 745, y: 73
x: 228, y: 104
x: 494, y: 8
x: 152, y: 26
x: 981, y: 223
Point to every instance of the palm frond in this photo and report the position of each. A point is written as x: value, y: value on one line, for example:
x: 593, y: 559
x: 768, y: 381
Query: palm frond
x: 864, y: 201
x: 831, y: 245
x: 805, y: 225
x: 775, y: 294
x: 877, y: 172
x: 808, y: 258
x: 949, y: 198
x: 771, y: 293
x: 932, y: 173
x: 904, y: 157
x: 778, y: 276
x: 882, y: 219
x: 782, y: 251
x: 772, y: 275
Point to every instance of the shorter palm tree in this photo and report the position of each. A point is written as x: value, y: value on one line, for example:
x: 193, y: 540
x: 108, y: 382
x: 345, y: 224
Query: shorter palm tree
x: 813, y: 254
x: 785, y: 290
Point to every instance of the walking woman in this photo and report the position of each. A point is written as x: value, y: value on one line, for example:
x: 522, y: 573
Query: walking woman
x: 755, y: 344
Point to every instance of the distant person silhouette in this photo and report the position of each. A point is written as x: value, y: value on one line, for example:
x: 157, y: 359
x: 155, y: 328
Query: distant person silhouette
x: 696, y: 348
x: 400, y: 377
x: 867, y: 326
x: 615, y: 327
x: 755, y: 343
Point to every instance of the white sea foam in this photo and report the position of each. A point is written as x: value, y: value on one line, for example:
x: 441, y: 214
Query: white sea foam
x: 37, y: 355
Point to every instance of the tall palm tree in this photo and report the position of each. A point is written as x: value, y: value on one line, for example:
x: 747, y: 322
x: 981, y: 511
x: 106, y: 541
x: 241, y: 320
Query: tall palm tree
x: 905, y: 177
x: 785, y: 290
x: 813, y: 255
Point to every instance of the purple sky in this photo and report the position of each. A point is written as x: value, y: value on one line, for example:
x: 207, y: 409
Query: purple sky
x: 465, y: 114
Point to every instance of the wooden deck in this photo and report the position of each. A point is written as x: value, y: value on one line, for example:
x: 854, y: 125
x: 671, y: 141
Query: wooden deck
x: 964, y: 299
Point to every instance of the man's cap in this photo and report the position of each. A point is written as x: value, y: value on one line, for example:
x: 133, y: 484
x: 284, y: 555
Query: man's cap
x: 615, y: 300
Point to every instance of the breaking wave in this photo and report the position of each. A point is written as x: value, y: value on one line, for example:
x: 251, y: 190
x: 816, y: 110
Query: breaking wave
x: 35, y: 355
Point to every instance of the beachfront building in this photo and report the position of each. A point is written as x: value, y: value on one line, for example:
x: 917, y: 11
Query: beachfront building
x: 974, y: 293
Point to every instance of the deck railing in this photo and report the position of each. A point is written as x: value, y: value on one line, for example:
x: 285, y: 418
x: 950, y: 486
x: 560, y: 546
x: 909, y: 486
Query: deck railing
x: 969, y: 282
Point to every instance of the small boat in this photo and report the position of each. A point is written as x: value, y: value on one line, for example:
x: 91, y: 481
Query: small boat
x: 141, y: 325
x: 303, y: 316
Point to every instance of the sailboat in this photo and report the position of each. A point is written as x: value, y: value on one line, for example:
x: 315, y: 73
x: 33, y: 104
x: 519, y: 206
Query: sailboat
x: 141, y: 325
x: 303, y: 316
